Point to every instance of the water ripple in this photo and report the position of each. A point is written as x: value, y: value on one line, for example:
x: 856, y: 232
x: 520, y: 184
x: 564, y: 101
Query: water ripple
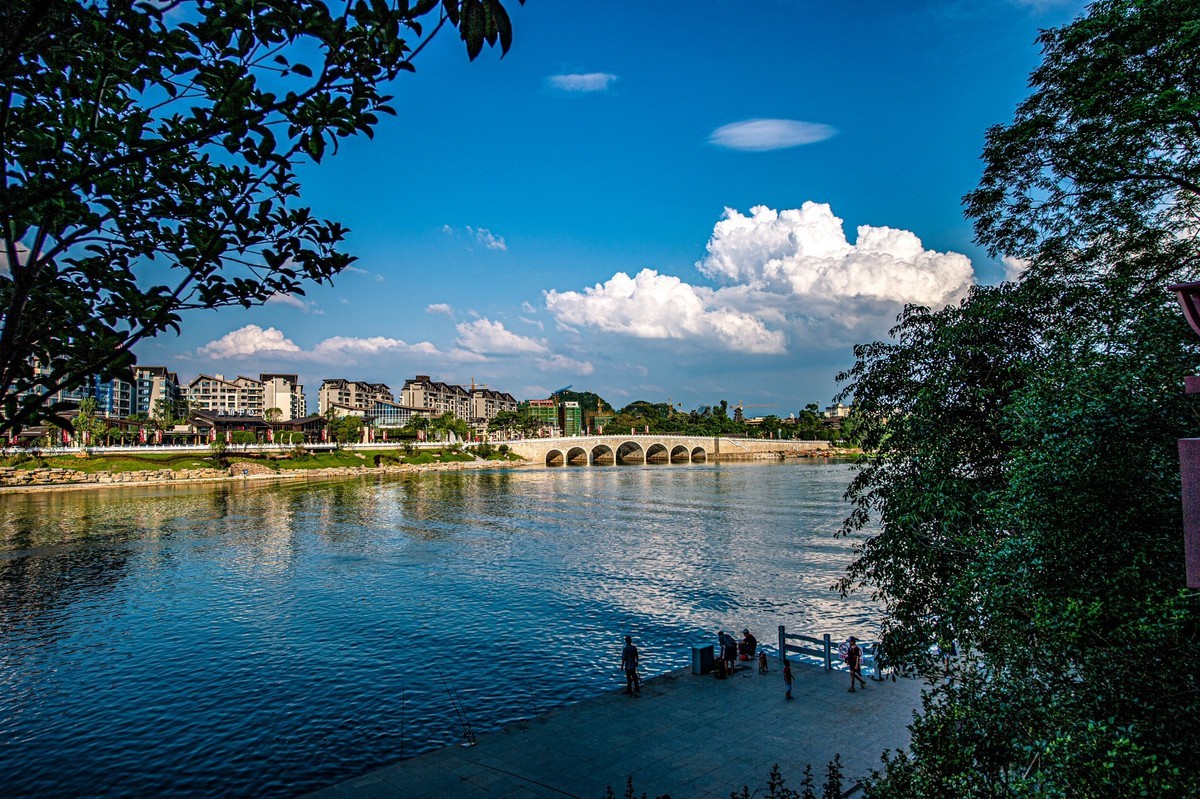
x: 267, y: 640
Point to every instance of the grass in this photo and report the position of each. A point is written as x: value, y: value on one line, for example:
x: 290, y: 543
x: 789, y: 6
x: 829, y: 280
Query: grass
x: 128, y: 462
x: 123, y: 462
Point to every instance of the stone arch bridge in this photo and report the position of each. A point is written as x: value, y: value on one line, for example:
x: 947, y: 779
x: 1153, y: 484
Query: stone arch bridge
x: 640, y: 450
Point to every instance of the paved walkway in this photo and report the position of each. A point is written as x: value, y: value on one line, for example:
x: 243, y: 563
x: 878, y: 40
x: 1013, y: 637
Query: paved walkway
x: 688, y: 736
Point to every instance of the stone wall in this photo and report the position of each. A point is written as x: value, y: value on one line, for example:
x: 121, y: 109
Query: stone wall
x: 10, y: 476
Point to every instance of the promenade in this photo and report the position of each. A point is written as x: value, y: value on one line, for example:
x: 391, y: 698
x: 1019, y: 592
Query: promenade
x: 691, y: 737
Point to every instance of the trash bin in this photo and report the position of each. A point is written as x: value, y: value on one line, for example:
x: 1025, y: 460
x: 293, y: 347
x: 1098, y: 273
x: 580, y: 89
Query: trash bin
x: 702, y: 659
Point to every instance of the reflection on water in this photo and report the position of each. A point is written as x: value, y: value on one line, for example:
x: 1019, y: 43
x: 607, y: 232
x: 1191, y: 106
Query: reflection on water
x: 264, y: 640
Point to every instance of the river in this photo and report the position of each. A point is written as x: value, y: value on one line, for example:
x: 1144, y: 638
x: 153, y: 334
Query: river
x: 268, y: 639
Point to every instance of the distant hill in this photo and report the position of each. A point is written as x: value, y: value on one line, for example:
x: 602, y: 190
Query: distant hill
x: 590, y: 403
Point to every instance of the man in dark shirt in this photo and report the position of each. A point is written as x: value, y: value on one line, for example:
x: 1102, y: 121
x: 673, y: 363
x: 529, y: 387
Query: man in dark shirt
x: 629, y: 662
x: 854, y: 661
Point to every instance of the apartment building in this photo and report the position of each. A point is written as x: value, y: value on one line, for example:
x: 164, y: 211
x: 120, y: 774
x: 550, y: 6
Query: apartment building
x: 435, y: 398
x: 152, y: 384
x: 285, y: 393
x: 351, y: 395
x: 486, y: 403
x: 545, y: 412
x: 242, y: 396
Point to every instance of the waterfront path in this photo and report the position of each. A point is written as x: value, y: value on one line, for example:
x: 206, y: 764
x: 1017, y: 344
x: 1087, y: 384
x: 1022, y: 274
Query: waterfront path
x: 692, y: 737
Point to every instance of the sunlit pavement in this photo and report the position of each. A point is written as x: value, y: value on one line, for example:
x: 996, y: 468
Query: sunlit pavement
x: 687, y: 736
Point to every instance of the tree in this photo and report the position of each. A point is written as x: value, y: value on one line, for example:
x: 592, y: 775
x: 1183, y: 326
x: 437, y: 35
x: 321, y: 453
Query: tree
x: 150, y: 154
x: 348, y: 429
x: 272, y: 414
x: 504, y: 421
x: 1024, y: 480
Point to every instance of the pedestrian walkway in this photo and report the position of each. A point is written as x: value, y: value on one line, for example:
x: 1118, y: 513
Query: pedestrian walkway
x: 692, y: 737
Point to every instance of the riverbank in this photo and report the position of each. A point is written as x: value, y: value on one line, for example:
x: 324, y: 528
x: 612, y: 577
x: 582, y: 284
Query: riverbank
x: 14, y: 480
x: 685, y: 736
x: 58, y: 478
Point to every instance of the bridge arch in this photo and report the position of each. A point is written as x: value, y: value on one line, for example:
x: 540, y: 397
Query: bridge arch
x: 603, y: 455
x: 699, y: 455
x: 680, y: 454
x: 577, y: 456
x: 555, y: 457
x: 657, y: 453
x: 631, y: 452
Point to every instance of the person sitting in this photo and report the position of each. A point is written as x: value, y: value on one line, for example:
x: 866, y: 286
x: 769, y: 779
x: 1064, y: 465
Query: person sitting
x: 747, y: 646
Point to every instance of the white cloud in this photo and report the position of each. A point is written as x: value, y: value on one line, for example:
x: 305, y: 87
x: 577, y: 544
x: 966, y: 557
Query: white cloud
x: 787, y: 277
x: 561, y: 363
x: 486, y: 337
x: 440, y: 308
x: 249, y: 340
x: 295, y: 302
x: 338, y: 347
x: 253, y: 340
x: 655, y: 306
x: 758, y: 135
x: 488, y: 239
x: 582, y: 82
x: 481, y: 236
x: 536, y: 323
x: 1014, y: 268
x: 803, y: 253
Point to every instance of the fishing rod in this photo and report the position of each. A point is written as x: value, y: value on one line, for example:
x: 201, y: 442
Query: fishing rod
x: 468, y: 733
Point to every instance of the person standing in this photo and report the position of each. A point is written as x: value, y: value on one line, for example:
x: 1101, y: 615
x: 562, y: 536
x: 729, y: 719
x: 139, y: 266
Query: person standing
x: 728, y: 650
x: 787, y: 678
x: 854, y: 661
x: 629, y: 662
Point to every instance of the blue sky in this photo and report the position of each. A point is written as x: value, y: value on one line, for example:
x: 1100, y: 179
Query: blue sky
x: 652, y: 203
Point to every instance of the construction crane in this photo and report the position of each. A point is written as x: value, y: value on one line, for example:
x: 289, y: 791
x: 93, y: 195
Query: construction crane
x: 739, y: 415
x: 740, y: 406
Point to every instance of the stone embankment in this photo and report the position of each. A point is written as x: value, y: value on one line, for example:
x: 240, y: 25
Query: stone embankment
x: 51, y: 478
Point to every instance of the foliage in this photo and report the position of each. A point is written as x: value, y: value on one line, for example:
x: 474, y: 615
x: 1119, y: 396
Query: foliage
x: 346, y: 430
x: 1077, y: 165
x: 776, y: 787
x: 150, y: 155
x: 243, y: 438
x: 1024, y: 479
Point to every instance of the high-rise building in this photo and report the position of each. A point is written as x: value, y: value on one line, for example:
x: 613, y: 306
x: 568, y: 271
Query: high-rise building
x: 359, y: 396
x: 570, y: 418
x: 152, y: 384
x: 435, y: 398
x: 486, y: 403
x: 242, y: 396
x: 285, y: 393
x: 545, y: 413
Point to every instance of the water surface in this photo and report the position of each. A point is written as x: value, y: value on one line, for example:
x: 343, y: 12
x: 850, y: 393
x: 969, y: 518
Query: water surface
x: 269, y: 639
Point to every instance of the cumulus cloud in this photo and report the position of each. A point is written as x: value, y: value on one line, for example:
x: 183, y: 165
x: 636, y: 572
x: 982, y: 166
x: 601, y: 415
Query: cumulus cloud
x: 582, y: 82
x: 655, y: 306
x: 784, y: 277
x: 758, y: 135
x: 804, y: 253
x: 536, y: 323
x: 249, y: 340
x: 1014, y: 268
x: 561, y: 363
x: 440, y: 308
x: 253, y: 340
x: 486, y: 337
